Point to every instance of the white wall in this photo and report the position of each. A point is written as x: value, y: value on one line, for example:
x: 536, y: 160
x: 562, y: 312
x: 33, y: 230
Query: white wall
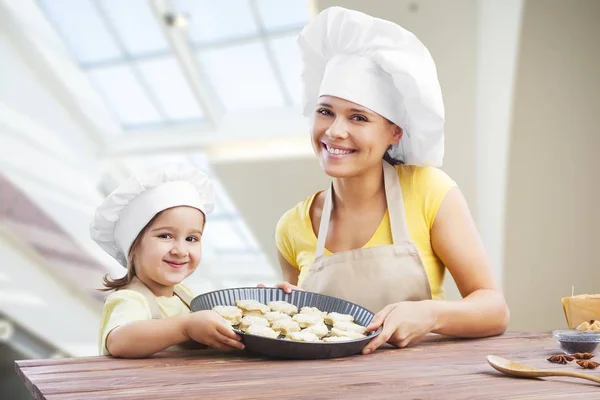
x: 552, y: 218
x: 499, y: 25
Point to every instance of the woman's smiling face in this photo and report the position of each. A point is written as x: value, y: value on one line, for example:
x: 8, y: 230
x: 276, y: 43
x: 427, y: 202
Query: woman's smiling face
x: 349, y: 139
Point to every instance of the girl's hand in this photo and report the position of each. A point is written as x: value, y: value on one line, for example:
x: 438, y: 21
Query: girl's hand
x: 403, y: 323
x: 209, y: 328
x: 286, y: 286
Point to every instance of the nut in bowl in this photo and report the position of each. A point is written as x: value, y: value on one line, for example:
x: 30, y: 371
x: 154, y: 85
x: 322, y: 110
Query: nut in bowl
x: 304, y: 335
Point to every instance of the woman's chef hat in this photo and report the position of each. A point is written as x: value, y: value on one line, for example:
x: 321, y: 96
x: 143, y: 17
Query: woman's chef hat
x: 381, y: 66
x: 127, y: 210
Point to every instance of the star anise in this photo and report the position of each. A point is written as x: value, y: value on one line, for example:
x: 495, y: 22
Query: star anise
x: 560, y: 359
x: 583, y: 356
x: 587, y: 364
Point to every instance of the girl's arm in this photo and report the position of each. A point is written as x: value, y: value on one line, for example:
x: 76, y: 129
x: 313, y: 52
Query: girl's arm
x: 143, y: 338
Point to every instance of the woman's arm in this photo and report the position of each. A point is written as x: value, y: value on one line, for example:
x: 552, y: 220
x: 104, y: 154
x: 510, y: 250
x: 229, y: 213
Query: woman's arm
x: 290, y: 275
x: 455, y: 240
x: 289, y: 272
x: 482, y: 311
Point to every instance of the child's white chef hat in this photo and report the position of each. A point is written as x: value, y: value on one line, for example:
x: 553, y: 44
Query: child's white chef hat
x: 128, y: 209
x: 381, y: 66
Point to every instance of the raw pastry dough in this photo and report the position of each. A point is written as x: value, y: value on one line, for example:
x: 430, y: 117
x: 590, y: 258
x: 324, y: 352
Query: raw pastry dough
x: 336, y: 339
x: 313, y: 310
x: 306, y: 320
x: 348, y: 334
x: 252, y: 305
x: 232, y: 314
x: 264, y: 331
x: 350, y: 326
x: 253, y: 320
x: 303, y: 336
x: 281, y: 319
x: 334, y: 317
x: 285, y: 326
x: 284, y: 307
x: 273, y: 316
x: 319, y: 330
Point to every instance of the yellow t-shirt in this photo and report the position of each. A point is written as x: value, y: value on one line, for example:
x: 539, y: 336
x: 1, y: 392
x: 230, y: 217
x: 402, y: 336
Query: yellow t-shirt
x: 423, y: 190
x: 124, y: 306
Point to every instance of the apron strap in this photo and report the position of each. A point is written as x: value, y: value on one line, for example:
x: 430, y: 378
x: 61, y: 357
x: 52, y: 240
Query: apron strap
x: 138, y: 286
x: 324, y: 225
x: 183, y: 296
x: 395, y: 203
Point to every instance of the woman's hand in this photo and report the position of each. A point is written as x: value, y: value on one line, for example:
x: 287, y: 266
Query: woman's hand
x: 403, y: 323
x: 209, y: 328
x: 286, y: 286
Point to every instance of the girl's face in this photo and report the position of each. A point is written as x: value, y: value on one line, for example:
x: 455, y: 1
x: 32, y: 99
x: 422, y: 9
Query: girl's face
x: 349, y: 139
x: 169, y: 249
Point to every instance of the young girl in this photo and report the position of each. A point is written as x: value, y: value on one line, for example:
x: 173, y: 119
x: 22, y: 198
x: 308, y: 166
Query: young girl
x: 152, y: 225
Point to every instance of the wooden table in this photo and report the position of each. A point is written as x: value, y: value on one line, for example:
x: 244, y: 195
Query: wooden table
x: 438, y: 368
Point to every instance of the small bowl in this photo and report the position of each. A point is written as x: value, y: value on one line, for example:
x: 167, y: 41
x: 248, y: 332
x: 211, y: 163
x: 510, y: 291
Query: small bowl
x: 574, y: 341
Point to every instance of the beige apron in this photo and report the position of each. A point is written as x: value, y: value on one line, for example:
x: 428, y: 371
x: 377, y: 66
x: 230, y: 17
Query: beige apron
x: 138, y: 286
x: 376, y: 276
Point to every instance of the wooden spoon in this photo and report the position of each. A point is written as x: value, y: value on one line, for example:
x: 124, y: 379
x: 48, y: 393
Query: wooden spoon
x: 524, y: 371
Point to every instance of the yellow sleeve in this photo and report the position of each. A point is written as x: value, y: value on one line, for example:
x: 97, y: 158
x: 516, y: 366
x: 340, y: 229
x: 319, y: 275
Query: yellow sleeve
x: 283, y: 236
x: 120, y: 308
x: 433, y: 184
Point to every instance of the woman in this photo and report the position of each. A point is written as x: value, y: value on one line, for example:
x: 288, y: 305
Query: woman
x: 382, y: 236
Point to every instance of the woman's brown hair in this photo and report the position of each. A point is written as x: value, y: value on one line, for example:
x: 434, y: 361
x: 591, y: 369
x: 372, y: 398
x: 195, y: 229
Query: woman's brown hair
x: 386, y: 155
x: 119, y: 283
x: 391, y: 160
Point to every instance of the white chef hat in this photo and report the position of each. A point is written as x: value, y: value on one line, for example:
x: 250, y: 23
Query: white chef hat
x: 128, y: 209
x: 381, y: 66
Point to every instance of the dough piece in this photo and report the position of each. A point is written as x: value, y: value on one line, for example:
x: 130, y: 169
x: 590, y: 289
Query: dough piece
x: 273, y: 316
x: 252, y: 313
x: 330, y: 339
x: 232, y: 314
x: 306, y: 320
x: 350, y: 326
x: 253, y: 320
x: 589, y: 326
x: 584, y: 326
x: 313, y: 310
x: 264, y: 331
x: 284, y: 307
x: 347, y: 334
x: 252, y: 305
x: 318, y: 330
x: 285, y: 326
x: 303, y: 336
x: 334, y: 317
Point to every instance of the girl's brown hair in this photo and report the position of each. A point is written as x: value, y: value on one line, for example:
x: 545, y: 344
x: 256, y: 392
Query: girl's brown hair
x: 119, y: 283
